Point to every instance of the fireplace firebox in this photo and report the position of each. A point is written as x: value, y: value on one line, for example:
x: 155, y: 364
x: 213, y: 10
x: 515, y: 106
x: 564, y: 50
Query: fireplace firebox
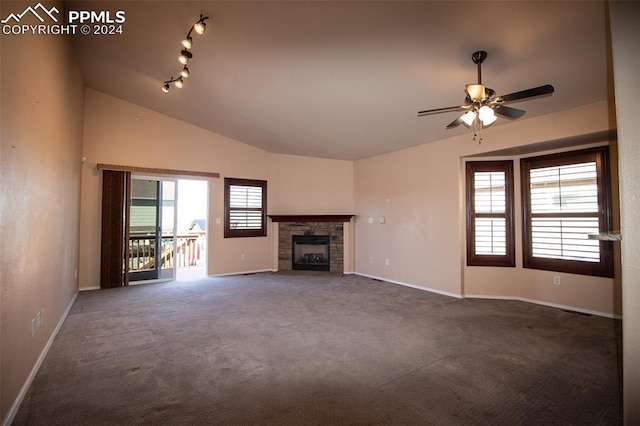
x: 310, y: 253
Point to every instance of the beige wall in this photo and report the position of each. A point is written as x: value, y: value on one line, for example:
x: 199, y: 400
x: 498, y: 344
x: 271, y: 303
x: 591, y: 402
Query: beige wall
x: 420, y: 193
x: 304, y: 185
x: 625, y: 35
x: 118, y: 132
x: 42, y: 96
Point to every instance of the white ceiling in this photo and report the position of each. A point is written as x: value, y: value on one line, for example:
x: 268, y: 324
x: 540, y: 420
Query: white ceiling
x: 345, y: 79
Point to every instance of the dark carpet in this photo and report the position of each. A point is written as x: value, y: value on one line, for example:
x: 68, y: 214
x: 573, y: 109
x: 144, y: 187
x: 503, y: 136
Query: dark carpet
x: 272, y: 349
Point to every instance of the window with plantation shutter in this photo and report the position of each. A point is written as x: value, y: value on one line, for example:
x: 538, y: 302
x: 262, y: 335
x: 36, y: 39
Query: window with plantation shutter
x: 566, y: 197
x: 489, y: 190
x: 245, y: 208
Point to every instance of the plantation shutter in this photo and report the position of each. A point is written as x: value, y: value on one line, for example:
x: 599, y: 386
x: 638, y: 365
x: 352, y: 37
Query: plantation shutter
x: 565, y: 198
x: 564, y: 211
x: 245, y: 208
x: 490, y: 208
x: 489, y: 213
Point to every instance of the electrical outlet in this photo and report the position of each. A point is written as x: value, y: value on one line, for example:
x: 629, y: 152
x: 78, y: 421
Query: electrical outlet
x: 387, y: 262
x: 371, y: 259
x: 370, y: 220
x: 242, y: 257
x: 556, y: 280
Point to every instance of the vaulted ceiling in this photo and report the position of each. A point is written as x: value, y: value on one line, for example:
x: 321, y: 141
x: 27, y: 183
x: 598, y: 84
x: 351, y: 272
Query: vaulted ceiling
x: 345, y: 79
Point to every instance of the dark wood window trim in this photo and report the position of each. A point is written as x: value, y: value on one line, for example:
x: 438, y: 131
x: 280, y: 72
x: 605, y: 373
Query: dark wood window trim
x: 600, y: 155
x: 474, y: 259
x: 229, y: 231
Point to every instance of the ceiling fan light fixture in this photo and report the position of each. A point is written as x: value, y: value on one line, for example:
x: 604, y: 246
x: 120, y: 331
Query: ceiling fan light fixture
x: 486, y: 115
x: 482, y: 102
x: 489, y: 121
x: 476, y: 92
x: 469, y: 117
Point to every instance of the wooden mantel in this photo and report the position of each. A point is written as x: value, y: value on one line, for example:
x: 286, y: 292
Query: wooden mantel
x: 311, y: 218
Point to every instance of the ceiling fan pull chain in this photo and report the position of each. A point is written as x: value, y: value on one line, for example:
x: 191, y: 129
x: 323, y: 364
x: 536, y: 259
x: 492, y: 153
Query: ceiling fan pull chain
x: 477, y: 130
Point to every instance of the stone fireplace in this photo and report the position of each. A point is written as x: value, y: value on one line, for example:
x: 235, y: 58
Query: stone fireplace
x: 310, y: 253
x: 314, y: 243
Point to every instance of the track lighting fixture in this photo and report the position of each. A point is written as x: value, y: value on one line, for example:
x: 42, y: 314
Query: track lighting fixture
x: 185, y: 54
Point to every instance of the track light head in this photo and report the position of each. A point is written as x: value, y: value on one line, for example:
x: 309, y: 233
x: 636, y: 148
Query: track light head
x: 179, y: 83
x: 184, y: 57
x: 185, y: 72
x: 200, y: 27
x: 166, y: 87
x: 188, y: 42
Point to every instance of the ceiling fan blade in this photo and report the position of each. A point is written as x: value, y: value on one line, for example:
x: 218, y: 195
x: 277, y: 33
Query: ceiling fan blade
x: 456, y: 122
x: 441, y: 110
x: 508, y: 112
x: 529, y: 93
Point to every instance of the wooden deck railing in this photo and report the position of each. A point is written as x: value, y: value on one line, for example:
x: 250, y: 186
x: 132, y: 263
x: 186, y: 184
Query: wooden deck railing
x: 142, y: 252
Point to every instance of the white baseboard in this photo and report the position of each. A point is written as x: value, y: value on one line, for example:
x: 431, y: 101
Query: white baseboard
x: 481, y: 296
x: 432, y: 290
x: 543, y: 303
x: 241, y: 273
x: 89, y: 288
x: 25, y: 387
x: 344, y: 273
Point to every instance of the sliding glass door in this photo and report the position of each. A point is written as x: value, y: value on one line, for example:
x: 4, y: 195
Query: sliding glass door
x: 151, y: 229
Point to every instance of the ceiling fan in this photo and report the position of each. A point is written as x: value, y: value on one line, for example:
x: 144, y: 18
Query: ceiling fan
x: 482, y: 104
